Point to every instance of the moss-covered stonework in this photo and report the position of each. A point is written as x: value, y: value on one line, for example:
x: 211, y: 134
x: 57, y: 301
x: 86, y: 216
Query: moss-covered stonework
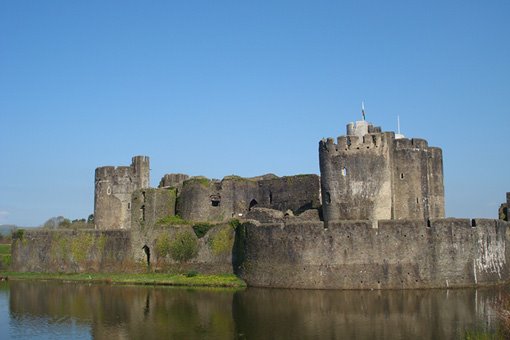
x: 222, y: 241
x: 173, y: 249
x: 72, y: 251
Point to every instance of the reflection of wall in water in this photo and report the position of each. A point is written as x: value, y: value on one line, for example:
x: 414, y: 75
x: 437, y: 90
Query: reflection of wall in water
x: 128, y: 312
x: 143, y: 312
x: 333, y: 314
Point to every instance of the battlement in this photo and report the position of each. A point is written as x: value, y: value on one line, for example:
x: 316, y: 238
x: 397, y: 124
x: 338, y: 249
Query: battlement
x: 413, y: 143
x: 352, y: 142
x: 109, y: 172
x: 139, y: 159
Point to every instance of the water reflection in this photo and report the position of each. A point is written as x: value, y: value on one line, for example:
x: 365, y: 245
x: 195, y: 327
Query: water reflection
x: 105, y: 311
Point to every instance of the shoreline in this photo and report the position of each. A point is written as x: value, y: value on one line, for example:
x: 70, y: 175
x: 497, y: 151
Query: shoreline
x: 145, y: 279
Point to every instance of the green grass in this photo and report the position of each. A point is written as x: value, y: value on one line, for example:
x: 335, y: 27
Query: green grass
x: 5, y: 249
x: 171, y: 220
x: 482, y: 335
x: 198, y: 280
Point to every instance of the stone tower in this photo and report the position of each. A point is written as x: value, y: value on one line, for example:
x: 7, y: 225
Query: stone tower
x: 113, y: 189
x: 371, y: 175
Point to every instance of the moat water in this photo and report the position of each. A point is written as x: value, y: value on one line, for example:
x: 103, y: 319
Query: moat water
x: 49, y: 310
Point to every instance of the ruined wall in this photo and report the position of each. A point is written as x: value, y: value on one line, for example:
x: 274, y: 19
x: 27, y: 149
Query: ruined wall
x: 297, y: 193
x: 113, y: 189
x: 356, y: 177
x: 354, y: 255
x: 202, y: 199
x: 148, y: 206
x: 173, y: 181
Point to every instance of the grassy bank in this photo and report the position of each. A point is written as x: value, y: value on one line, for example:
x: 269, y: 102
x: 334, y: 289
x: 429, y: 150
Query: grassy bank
x: 191, y: 280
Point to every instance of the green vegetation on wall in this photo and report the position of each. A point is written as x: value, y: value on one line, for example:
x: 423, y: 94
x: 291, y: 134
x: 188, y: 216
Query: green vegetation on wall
x: 5, y: 256
x: 171, y: 220
x: 199, y: 179
x: 77, y: 247
x: 184, y: 247
x: 201, y: 229
x: 81, y: 246
x: 223, y: 241
x: 163, y: 245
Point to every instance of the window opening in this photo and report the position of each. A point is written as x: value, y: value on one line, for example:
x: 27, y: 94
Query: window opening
x: 142, y: 213
x: 215, y: 200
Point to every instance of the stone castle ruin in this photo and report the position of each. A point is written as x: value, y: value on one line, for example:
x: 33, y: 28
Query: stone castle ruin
x: 373, y: 219
x: 365, y: 175
x: 124, y: 200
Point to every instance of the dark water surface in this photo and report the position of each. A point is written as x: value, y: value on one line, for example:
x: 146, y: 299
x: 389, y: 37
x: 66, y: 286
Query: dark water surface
x: 49, y: 310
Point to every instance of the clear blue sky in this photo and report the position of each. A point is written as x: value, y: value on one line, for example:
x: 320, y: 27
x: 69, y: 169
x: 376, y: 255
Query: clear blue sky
x: 244, y: 87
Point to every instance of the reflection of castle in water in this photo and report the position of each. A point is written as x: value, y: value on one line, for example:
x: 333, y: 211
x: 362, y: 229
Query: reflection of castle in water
x: 158, y: 312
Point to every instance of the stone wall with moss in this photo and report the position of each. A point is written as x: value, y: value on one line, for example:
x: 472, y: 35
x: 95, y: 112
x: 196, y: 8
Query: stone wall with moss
x: 203, y: 248
x: 72, y: 251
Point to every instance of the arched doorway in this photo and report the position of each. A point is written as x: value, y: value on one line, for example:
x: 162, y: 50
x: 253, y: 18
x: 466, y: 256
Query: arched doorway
x: 253, y: 203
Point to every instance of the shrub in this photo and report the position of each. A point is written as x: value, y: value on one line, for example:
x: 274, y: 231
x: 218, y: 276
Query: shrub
x: 234, y: 223
x: 18, y: 234
x: 184, y: 247
x: 192, y: 273
x: 163, y: 245
x: 201, y: 229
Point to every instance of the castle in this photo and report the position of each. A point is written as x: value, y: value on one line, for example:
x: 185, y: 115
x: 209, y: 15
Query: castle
x: 365, y: 175
x: 374, y: 219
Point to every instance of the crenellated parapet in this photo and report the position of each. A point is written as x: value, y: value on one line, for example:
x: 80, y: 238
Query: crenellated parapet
x: 355, y: 143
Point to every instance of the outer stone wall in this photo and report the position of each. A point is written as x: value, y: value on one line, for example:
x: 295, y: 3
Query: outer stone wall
x: 72, y: 251
x: 354, y: 255
x: 77, y: 251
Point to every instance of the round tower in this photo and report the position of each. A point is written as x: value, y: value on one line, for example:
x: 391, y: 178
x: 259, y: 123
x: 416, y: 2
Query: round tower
x: 113, y: 189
